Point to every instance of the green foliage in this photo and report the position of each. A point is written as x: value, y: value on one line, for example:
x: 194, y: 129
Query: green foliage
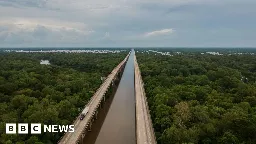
x: 48, y: 94
x: 196, y: 98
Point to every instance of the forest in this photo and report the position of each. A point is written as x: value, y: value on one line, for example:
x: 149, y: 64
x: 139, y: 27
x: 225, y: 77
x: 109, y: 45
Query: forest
x: 48, y: 94
x: 197, y: 97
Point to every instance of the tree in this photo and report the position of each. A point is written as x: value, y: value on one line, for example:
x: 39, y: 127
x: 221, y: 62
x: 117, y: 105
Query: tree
x: 196, y: 98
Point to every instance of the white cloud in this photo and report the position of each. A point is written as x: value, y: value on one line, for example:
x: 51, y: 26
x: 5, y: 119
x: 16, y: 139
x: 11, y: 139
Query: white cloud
x: 28, y: 30
x: 159, y: 32
x: 29, y: 24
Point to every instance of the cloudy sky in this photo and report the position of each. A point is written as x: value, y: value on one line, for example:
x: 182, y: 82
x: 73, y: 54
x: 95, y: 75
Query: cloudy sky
x: 128, y: 23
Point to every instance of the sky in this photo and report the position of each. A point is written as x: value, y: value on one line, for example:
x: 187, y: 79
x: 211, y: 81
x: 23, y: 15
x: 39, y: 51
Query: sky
x: 127, y: 23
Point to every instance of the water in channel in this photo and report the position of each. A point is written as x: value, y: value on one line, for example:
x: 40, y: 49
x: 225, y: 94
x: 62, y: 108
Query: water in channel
x: 118, y: 125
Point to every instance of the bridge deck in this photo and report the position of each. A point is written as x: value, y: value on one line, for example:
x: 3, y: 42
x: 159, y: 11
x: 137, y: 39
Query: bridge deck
x: 80, y: 125
x: 144, y: 129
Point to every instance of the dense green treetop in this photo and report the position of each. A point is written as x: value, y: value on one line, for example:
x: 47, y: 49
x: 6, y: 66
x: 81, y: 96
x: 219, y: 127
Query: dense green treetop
x: 201, y: 98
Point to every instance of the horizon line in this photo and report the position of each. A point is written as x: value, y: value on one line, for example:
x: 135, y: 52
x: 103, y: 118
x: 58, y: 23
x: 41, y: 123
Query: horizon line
x: 124, y: 47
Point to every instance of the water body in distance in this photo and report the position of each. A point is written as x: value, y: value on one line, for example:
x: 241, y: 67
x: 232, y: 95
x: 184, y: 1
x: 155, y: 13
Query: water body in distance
x: 119, y: 124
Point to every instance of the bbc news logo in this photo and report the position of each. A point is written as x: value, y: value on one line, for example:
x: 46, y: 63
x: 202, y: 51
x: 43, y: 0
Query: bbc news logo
x: 36, y: 128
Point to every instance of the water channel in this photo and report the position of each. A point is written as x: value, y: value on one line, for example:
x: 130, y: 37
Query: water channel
x: 116, y: 124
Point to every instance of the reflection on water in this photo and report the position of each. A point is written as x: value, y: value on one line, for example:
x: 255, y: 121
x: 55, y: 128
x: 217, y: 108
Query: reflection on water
x: 119, y: 124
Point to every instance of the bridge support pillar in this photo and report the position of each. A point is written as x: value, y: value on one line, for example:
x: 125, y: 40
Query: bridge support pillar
x: 96, y: 114
x: 90, y: 126
x: 93, y: 118
x: 81, y: 139
x: 83, y: 135
x: 101, y: 104
x: 84, y: 132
